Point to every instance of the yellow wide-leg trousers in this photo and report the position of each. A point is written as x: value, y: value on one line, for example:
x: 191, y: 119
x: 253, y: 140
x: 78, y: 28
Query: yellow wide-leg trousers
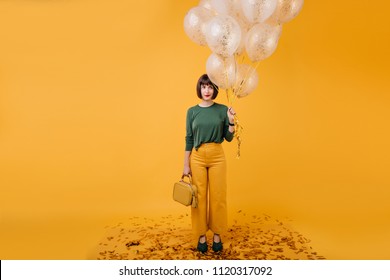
x: 208, y: 168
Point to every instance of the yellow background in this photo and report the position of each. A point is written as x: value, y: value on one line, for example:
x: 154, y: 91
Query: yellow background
x: 93, y: 96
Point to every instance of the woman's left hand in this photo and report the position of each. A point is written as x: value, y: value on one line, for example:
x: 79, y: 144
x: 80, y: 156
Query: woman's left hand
x: 230, y: 114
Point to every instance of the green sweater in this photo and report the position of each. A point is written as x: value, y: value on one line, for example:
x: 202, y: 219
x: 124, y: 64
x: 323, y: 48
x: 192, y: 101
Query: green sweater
x: 207, y: 125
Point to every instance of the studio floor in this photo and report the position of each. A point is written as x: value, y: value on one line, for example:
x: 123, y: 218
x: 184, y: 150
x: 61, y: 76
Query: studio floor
x: 251, y: 236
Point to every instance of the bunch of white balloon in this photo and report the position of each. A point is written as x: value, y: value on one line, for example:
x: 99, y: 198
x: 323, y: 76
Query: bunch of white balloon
x: 235, y: 30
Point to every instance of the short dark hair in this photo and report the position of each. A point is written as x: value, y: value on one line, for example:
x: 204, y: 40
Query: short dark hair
x: 205, y: 80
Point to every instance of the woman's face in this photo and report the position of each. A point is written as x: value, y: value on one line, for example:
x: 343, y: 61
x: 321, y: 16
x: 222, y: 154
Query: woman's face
x: 207, y: 92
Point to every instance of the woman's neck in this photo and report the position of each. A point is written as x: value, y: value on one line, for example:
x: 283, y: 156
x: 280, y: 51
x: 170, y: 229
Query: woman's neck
x: 205, y: 103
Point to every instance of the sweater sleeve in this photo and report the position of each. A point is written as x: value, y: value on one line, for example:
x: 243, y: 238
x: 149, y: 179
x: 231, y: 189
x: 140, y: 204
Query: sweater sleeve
x: 227, y: 134
x: 189, y: 133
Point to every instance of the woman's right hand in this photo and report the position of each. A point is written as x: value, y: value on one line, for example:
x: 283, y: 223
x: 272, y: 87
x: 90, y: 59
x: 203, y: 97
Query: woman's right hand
x: 186, y: 170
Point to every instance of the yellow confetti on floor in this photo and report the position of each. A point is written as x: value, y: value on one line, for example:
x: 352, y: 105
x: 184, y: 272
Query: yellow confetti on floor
x: 250, y: 237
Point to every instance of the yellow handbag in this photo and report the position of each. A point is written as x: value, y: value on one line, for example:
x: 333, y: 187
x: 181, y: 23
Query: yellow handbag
x: 185, y: 192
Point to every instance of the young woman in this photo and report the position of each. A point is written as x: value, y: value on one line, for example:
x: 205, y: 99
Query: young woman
x: 208, y: 124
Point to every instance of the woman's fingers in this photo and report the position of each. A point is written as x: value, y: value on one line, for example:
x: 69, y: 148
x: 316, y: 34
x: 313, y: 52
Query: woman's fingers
x: 231, y: 111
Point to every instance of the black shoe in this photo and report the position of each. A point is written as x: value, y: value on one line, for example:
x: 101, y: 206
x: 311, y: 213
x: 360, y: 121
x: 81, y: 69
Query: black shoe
x: 202, y: 247
x: 217, y: 246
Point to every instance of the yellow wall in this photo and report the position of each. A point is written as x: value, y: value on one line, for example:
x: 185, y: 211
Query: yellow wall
x: 93, y: 96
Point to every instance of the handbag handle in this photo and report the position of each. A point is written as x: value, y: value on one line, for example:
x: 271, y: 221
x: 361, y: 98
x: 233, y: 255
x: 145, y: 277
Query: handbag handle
x: 194, y: 190
x: 188, y: 176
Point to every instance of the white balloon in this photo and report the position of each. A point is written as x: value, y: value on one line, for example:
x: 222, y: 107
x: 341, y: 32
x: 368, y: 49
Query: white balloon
x: 195, y: 24
x: 239, y: 15
x: 206, y: 4
x: 223, y: 7
x: 258, y: 10
x: 221, y: 71
x: 262, y: 40
x: 286, y: 10
x: 241, y: 47
x: 245, y: 26
x: 223, y: 35
x: 246, y: 80
x: 236, y: 5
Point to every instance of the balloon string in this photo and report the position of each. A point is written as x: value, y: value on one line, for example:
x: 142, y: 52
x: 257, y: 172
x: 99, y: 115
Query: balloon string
x: 237, y: 88
x: 238, y: 128
x: 232, y: 93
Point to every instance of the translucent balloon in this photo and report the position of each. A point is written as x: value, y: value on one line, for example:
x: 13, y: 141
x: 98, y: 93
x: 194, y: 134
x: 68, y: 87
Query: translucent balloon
x: 286, y: 10
x: 221, y: 71
x: 236, y: 5
x: 206, y: 4
x: 223, y: 35
x: 246, y: 80
x: 258, y: 10
x: 223, y: 7
x: 261, y: 41
x: 239, y: 15
x: 241, y: 47
x: 195, y: 23
x: 245, y: 26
